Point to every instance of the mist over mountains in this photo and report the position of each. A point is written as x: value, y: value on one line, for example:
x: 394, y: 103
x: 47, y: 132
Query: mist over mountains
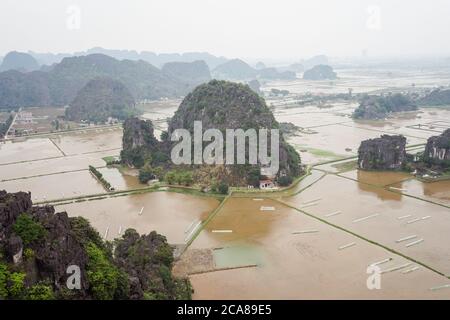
x: 47, y: 79
x: 153, y: 58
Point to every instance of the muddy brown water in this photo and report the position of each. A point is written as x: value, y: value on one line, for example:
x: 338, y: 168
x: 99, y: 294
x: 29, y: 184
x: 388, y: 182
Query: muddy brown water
x: 170, y: 214
x: 298, y: 266
x: 291, y: 266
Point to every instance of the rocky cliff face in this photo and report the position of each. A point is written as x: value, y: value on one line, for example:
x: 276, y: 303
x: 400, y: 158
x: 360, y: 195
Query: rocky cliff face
x: 226, y: 105
x: 100, y: 99
x: 53, y: 250
x: 146, y: 280
x: 139, y: 143
x: 38, y: 246
x: 437, y: 150
x: 384, y: 153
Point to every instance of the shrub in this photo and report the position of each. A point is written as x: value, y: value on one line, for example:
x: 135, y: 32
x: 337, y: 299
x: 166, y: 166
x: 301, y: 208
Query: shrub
x: 223, y: 188
x: 16, y: 287
x: 284, y: 181
x: 101, y: 273
x: 85, y: 233
x: 28, y: 253
x: 186, y: 178
x: 28, y: 229
x: 4, y: 274
x: 40, y: 292
x: 170, y: 177
x: 146, y: 174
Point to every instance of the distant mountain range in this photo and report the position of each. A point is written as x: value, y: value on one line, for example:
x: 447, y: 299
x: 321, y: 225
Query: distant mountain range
x: 47, y: 79
x: 59, y: 84
x: 237, y: 69
x: 155, y: 59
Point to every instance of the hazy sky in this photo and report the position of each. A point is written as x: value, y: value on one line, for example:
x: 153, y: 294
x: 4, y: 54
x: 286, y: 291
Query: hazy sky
x: 233, y: 28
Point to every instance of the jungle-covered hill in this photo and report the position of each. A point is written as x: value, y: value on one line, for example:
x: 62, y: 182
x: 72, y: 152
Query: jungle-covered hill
x: 379, y: 107
x: 320, y: 72
x: 60, y: 83
x: 218, y: 105
x: 41, y: 249
x: 100, y: 99
x: 438, y: 97
x: 228, y: 105
x: 19, y: 61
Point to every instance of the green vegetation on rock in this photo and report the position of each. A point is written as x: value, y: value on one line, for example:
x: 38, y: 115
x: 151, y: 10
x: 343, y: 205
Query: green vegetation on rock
x: 133, y: 266
x: 101, y: 99
x: 379, y: 107
x: 28, y: 229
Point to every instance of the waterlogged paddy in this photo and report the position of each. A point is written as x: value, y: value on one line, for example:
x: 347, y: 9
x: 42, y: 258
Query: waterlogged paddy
x: 334, y: 142
x: 32, y: 149
x: 391, y: 217
x: 56, y: 186
x: 120, y: 181
x: 438, y: 191
x: 170, y: 214
x: 296, y: 266
x: 82, y: 142
x: 265, y: 259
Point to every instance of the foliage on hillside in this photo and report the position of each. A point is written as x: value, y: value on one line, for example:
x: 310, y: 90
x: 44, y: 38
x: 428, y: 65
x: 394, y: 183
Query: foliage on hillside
x: 100, y: 99
x: 379, y: 107
x: 38, y: 245
x: 59, y: 85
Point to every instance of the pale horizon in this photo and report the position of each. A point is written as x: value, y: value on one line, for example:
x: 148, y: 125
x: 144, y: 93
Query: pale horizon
x: 291, y: 30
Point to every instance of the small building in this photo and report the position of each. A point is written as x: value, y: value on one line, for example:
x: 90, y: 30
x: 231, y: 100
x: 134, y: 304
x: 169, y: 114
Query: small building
x: 266, y: 184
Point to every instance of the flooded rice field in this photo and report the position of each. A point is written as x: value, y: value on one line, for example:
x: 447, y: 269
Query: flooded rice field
x: 295, y: 265
x: 314, y: 240
x: 171, y: 214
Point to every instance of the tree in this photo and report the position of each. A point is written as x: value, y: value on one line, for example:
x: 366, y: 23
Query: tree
x: 146, y: 174
x: 4, y: 274
x: 186, y: 178
x: 28, y: 229
x: 40, y: 292
x: 223, y: 188
x: 101, y: 273
x: 16, y: 286
x: 285, y: 181
x: 253, y: 177
x: 170, y: 177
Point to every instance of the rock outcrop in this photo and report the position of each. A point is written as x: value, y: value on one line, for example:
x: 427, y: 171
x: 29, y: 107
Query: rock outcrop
x: 384, y: 153
x: 320, y: 72
x: 53, y: 252
x: 147, y: 281
x: 234, y: 69
x: 437, y: 150
x: 42, y: 249
x: 226, y: 105
x: 255, y: 86
x: 437, y: 97
x: 100, y: 99
x: 380, y: 107
x: 19, y: 61
x: 139, y: 144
